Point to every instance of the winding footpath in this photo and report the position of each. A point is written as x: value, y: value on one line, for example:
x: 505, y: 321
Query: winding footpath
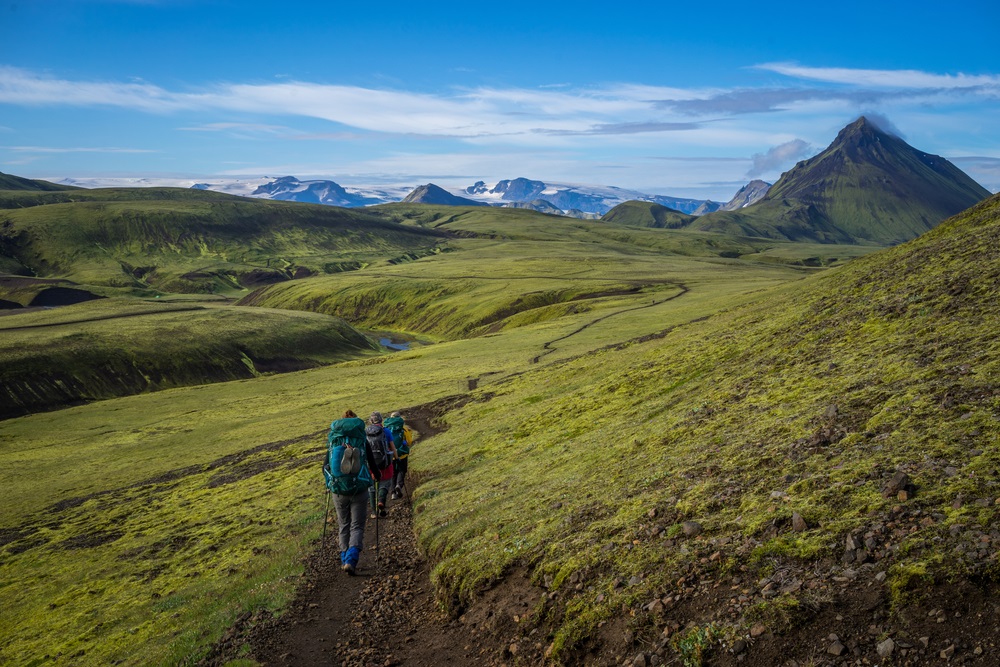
x: 385, y: 615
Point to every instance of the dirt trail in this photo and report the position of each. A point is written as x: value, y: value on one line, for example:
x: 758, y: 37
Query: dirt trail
x: 548, y: 346
x: 385, y: 615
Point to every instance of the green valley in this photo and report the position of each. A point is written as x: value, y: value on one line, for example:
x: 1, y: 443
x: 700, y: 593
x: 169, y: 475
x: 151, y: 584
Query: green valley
x: 673, y: 436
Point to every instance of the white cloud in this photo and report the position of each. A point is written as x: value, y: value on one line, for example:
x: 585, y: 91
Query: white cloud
x: 74, y: 149
x: 258, y: 128
x: 877, y: 78
x: 779, y: 157
x: 467, y: 113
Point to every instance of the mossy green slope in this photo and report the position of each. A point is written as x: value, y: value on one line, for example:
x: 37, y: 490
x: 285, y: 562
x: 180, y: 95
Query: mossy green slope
x: 807, y: 401
x: 11, y: 182
x: 541, y: 270
x: 647, y: 214
x: 116, y: 347
x: 178, y: 240
x: 183, y: 509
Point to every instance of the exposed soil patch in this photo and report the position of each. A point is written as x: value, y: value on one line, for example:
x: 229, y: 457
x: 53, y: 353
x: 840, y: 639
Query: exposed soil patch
x: 90, y: 540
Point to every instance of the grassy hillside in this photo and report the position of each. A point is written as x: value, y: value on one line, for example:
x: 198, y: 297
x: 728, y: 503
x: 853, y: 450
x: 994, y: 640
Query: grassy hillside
x: 177, y: 240
x: 526, y: 268
x: 725, y: 392
x: 222, y: 480
x: 11, y: 182
x: 801, y: 406
x: 115, y: 347
x: 647, y: 214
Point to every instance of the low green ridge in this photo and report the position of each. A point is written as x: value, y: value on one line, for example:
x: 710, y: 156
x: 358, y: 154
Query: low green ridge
x: 177, y: 240
x: 11, y: 182
x: 114, y: 347
x: 647, y: 214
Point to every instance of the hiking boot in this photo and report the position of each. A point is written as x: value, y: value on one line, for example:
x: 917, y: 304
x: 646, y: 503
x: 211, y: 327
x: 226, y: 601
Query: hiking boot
x: 399, y: 492
x: 373, y: 516
x: 383, y: 513
x: 351, y: 560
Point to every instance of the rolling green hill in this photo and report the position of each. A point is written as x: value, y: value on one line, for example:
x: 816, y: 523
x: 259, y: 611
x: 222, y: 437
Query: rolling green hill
x: 647, y: 214
x: 867, y: 187
x: 520, y: 267
x: 11, y: 182
x: 117, y: 347
x: 657, y: 440
x: 176, y: 240
x: 832, y: 444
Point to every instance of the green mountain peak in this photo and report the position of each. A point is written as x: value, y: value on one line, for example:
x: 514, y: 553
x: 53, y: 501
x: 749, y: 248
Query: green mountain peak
x: 867, y: 186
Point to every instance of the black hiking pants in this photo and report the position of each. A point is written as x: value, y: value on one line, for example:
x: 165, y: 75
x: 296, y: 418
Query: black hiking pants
x: 400, y: 475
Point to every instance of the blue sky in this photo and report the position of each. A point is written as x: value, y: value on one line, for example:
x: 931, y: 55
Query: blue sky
x: 691, y: 100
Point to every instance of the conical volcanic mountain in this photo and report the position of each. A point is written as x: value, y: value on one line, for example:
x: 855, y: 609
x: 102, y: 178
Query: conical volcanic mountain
x: 868, y: 186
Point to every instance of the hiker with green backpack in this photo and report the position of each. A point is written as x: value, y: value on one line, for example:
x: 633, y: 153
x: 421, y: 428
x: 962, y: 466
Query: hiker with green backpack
x: 383, y: 452
x: 403, y: 437
x: 348, y: 472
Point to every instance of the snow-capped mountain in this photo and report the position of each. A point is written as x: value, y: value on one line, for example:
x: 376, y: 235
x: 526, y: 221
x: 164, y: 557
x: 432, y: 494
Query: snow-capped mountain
x: 289, y: 188
x: 588, y: 198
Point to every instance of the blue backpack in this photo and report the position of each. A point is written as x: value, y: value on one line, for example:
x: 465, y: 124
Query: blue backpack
x: 346, y: 467
x: 395, y: 426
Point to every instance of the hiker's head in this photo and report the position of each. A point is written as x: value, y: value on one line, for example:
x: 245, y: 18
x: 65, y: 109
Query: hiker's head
x: 396, y: 414
x: 348, y: 414
x: 376, y: 418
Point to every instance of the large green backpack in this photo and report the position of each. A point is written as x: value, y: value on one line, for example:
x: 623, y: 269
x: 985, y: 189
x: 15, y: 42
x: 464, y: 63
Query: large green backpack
x: 346, y: 467
x: 395, y: 426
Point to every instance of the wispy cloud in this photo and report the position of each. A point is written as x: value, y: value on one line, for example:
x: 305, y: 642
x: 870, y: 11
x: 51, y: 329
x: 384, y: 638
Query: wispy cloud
x: 258, y: 128
x: 767, y: 100
x: 465, y: 113
x: 626, y: 128
x: 75, y: 149
x: 494, y: 112
x: 878, y: 78
x: 778, y: 157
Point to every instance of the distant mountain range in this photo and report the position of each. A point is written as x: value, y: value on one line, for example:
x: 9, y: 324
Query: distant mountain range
x: 586, y: 198
x: 578, y: 201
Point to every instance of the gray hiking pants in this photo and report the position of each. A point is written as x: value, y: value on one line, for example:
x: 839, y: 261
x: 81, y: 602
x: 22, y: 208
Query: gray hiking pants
x: 351, y: 514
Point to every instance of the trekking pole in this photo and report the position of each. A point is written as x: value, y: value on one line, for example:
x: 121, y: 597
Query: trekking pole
x: 377, y: 512
x: 326, y: 516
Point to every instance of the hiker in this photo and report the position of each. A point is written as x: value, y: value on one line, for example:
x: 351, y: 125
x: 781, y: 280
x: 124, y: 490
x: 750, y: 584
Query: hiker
x: 403, y: 438
x: 380, y: 438
x: 348, y: 476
